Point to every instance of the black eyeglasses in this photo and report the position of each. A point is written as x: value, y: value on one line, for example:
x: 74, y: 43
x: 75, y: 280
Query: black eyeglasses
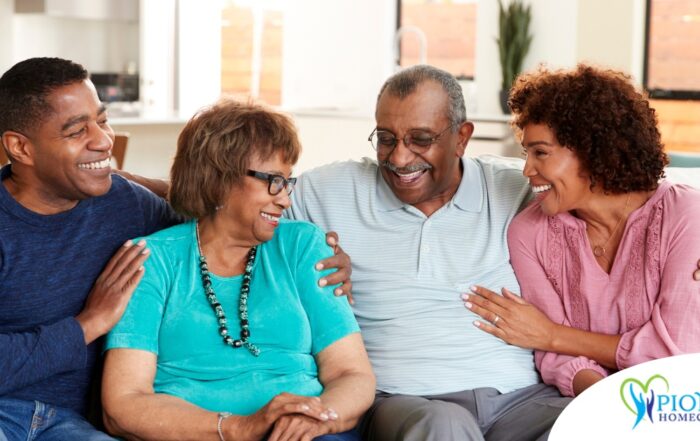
x: 417, y: 141
x: 275, y: 183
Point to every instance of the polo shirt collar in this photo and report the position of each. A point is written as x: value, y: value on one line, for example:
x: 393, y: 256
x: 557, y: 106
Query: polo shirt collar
x: 386, y: 199
x: 469, y: 195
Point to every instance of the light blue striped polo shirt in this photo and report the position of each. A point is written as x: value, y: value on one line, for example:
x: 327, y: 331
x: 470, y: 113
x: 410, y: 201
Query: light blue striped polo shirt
x: 409, y: 271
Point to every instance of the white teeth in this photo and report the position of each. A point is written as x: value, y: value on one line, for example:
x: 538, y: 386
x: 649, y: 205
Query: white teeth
x: 270, y: 217
x: 95, y: 165
x: 540, y: 188
x: 410, y: 176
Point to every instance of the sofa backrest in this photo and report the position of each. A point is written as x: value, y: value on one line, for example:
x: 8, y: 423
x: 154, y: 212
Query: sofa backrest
x: 684, y: 175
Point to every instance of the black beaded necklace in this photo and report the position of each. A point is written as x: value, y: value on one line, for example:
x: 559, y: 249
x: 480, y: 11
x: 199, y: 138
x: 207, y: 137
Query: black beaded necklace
x: 242, y: 302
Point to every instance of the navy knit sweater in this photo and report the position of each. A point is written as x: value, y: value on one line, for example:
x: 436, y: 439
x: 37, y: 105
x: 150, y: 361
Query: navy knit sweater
x: 48, y: 265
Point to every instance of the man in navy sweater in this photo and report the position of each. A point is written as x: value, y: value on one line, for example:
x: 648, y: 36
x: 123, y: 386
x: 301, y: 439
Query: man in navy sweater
x: 63, y: 215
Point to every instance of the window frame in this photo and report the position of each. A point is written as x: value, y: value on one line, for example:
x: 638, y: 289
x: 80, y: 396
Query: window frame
x: 398, y: 60
x: 657, y: 93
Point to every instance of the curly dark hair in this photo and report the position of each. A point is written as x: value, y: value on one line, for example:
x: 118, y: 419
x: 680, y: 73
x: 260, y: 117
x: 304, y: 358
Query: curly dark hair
x: 601, y: 117
x: 25, y: 87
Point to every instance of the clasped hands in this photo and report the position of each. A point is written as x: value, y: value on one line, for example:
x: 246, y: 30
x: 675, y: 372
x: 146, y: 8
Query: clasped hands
x: 287, y: 417
x: 510, y: 318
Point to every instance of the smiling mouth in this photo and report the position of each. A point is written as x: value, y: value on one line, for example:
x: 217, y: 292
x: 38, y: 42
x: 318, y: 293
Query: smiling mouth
x: 537, y: 189
x: 97, y: 165
x: 409, y: 178
x: 406, y: 175
x: 272, y: 218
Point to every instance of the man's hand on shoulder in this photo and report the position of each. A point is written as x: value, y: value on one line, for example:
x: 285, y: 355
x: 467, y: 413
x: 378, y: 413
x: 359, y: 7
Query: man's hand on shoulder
x: 112, y: 290
x: 341, y: 262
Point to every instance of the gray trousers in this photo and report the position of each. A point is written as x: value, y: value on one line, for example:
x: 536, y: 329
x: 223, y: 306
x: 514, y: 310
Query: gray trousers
x: 479, y: 414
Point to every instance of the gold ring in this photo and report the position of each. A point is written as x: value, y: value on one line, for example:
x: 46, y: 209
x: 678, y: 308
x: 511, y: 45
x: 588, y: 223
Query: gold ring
x: 496, y: 319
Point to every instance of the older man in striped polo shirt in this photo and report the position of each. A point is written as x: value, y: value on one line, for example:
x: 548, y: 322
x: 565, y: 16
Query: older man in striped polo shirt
x: 423, y: 224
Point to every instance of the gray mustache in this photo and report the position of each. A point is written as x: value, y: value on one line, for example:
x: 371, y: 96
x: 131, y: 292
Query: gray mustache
x: 407, y: 169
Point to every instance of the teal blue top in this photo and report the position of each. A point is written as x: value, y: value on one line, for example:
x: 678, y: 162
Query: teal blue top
x: 291, y: 320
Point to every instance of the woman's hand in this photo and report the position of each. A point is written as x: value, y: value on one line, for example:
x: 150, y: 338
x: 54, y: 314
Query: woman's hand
x: 254, y: 427
x: 341, y: 261
x: 298, y: 428
x: 511, y: 319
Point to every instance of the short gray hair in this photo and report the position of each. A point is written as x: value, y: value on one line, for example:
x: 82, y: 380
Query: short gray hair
x: 405, y: 82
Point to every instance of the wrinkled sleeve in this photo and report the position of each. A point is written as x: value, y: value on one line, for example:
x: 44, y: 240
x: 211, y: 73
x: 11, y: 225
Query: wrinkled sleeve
x: 29, y: 357
x: 526, y: 237
x: 559, y: 370
x: 674, y: 327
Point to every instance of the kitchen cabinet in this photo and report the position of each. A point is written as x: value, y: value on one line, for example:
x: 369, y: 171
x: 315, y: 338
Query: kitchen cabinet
x: 125, y: 10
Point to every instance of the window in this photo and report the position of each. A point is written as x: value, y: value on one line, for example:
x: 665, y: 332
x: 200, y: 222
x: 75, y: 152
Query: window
x: 671, y: 66
x: 672, y: 58
x: 444, y: 30
x: 251, y: 49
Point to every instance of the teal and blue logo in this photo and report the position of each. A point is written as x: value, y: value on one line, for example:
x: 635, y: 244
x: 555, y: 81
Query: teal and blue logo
x: 652, y: 400
x: 642, y: 395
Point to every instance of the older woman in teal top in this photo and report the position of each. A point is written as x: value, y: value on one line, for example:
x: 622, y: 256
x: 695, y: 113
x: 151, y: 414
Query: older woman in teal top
x: 228, y: 336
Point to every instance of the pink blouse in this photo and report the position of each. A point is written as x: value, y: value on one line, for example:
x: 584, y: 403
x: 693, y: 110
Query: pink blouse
x: 649, y: 297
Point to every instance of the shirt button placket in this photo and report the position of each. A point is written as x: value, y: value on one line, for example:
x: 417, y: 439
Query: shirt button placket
x: 425, y: 249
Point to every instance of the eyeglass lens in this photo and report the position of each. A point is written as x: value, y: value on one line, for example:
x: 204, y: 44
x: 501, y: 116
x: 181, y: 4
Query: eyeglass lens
x: 277, y: 183
x: 387, y: 140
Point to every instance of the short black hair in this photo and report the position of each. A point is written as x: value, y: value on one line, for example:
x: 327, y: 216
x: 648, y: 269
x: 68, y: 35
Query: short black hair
x: 25, y: 87
x: 406, y: 81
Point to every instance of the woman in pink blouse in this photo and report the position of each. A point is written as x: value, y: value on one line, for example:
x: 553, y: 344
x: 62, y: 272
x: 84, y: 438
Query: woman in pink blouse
x: 605, y: 254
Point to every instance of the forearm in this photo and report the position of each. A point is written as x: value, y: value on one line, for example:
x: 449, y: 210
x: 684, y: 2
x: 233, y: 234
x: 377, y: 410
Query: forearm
x: 572, y: 341
x: 159, y: 417
x: 158, y: 186
x: 584, y: 379
x: 349, y: 396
